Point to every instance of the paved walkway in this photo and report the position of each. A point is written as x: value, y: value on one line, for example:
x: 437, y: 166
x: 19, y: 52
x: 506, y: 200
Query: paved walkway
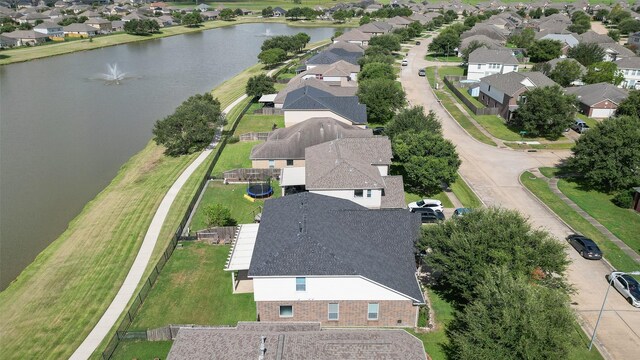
x: 128, y: 288
x: 553, y: 184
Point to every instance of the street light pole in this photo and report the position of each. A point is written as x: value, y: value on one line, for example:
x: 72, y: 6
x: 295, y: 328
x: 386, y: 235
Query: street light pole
x: 611, y: 276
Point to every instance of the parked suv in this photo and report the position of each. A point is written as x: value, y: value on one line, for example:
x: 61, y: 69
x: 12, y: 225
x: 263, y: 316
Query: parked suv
x: 580, y: 126
x: 429, y: 215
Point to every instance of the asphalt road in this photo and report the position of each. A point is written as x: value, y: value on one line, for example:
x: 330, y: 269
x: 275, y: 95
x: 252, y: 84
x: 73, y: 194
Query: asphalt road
x: 494, y: 174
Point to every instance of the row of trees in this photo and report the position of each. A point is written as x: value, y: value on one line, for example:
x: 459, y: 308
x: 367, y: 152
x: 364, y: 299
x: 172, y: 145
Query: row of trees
x: 141, y: 27
x: 507, y: 281
x: 277, y: 49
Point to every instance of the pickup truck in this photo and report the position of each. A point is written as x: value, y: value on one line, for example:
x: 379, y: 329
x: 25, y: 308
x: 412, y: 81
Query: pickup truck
x: 580, y: 126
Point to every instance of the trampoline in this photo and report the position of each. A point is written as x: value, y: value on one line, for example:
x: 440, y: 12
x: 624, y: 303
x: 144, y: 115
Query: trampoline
x: 260, y: 189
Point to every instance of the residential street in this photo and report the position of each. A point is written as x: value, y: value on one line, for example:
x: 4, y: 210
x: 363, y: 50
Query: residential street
x: 494, y: 174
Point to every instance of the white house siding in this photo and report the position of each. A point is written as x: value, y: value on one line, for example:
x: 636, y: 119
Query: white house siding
x: 478, y: 71
x: 383, y: 169
x: 631, y: 78
x: 292, y: 117
x: 372, y: 202
x: 321, y: 289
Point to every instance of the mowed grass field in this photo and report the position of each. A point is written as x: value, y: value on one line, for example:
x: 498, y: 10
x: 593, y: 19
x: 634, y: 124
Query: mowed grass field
x: 56, y: 301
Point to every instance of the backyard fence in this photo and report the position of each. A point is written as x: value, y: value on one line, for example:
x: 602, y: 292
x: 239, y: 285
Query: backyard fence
x: 122, y: 332
x: 268, y: 111
x: 453, y: 83
x: 254, y: 136
x: 251, y: 174
x: 219, y: 235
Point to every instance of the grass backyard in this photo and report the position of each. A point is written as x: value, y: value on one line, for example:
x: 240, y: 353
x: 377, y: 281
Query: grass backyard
x: 84, y: 267
x: 464, y: 193
x: 434, y: 340
x: 142, y: 350
x: 437, y: 57
x: 540, y: 188
x: 258, y: 123
x: 446, y: 98
x: 193, y: 288
x: 234, y: 156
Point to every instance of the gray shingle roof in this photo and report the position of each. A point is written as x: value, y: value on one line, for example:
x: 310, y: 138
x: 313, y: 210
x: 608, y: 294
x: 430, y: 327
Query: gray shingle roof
x: 487, y: 41
x: 629, y: 63
x: 593, y: 37
x: 333, y: 55
x: 511, y: 83
x: 291, y: 142
x: 343, y: 47
x: 594, y: 93
x: 297, y: 82
x: 393, y: 197
x: 487, y: 30
x: 485, y: 56
x: 79, y: 28
x: 354, y: 35
x: 347, y: 163
x: 339, y: 68
x: 338, y: 237
x: 300, y: 341
x: 310, y: 98
x: 555, y: 62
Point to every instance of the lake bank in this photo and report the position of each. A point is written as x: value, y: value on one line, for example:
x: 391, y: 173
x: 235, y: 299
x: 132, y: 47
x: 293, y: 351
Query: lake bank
x: 85, y: 266
x: 23, y: 54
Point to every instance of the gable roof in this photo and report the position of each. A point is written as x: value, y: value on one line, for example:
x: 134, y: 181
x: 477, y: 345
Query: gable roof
x: 307, y: 234
x: 485, y: 56
x: 487, y: 41
x: 47, y: 25
x: 512, y: 82
x: 555, y: 62
x: 339, y: 68
x: 354, y: 35
x: 348, y: 163
x: 614, y: 47
x: 310, y: 98
x: 297, y: 82
x: 595, y: 93
x: 569, y: 38
x: 343, y: 47
x: 487, y: 30
x: 25, y: 34
x: 291, y: 142
x: 398, y: 20
x: 629, y: 63
x: 593, y: 37
x: 335, y: 54
x: 75, y: 27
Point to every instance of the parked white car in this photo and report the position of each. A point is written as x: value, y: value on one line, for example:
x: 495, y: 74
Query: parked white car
x: 426, y: 203
x: 405, y: 62
x: 628, y: 287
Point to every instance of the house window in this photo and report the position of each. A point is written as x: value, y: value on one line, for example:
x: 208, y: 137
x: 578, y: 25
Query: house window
x: 358, y: 193
x: 272, y: 164
x: 489, y: 89
x: 479, y: 66
x: 286, y: 311
x: 372, y: 312
x: 289, y: 162
x: 334, y: 311
x: 319, y: 76
x: 369, y: 193
x: 301, y: 284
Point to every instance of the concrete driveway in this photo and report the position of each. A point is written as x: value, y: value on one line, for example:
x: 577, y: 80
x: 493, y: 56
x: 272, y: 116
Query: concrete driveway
x: 494, y: 174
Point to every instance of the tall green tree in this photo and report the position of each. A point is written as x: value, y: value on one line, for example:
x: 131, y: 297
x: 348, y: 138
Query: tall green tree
x: 523, y: 39
x: 389, y: 42
x: 218, y: 215
x: 628, y: 26
x: 566, y: 72
x: 227, y: 14
x: 606, y: 157
x: 631, y: 105
x: 581, y: 22
x: 377, y: 71
x: 604, y: 71
x: 192, y: 19
x: 618, y: 14
x: 445, y: 43
x: 614, y: 34
x: 191, y: 127
x: 544, y: 50
x: 463, y: 249
x: 383, y: 98
x: 545, y: 111
x: 427, y: 161
x: 511, y: 318
x: 271, y: 57
x: 364, y: 20
x: 586, y: 53
x: 413, y: 120
x: 259, y: 85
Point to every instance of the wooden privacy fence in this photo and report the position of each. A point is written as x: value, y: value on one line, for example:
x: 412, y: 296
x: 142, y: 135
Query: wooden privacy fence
x: 170, y: 332
x: 245, y: 175
x: 269, y: 111
x: 219, y: 235
x: 453, y: 83
x: 254, y: 136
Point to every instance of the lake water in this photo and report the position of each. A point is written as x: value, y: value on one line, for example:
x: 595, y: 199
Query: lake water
x: 64, y: 134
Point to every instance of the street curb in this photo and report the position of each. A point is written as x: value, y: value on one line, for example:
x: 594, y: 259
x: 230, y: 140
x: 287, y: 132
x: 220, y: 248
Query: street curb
x: 472, y: 190
x: 601, y: 348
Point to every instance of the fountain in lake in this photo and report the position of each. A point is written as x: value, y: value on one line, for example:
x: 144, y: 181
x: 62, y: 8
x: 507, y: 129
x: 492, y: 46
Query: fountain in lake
x: 113, y: 76
x: 267, y: 33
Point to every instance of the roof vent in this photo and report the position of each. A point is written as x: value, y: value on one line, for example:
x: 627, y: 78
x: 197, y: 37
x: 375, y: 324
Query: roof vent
x: 263, y: 348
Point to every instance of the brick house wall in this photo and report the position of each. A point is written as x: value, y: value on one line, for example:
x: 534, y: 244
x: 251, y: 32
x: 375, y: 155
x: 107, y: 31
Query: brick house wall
x: 604, y: 104
x: 351, y: 313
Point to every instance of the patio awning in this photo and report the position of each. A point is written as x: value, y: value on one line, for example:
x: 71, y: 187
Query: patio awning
x: 242, y: 250
x: 268, y: 98
x: 293, y: 176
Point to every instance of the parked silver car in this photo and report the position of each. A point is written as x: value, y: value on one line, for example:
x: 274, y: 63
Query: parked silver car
x: 627, y: 286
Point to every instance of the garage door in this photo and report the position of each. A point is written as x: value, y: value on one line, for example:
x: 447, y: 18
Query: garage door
x: 602, y: 113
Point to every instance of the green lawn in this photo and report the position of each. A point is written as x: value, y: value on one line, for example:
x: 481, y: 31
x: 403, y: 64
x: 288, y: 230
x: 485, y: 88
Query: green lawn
x: 258, y: 123
x: 411, y: 197
x: 434, y: 340
x: 142, y: 350
x: 450, y: 70
x: 590, y: 121
x: 193, y: 288
x: 234, y: 156
x: 436, y: 57
x: 473, y: 100
x: 466, y: 196
x: 461, y: 118
x: 612, y: 253
x: 623, y: 223
x: 231, y: 196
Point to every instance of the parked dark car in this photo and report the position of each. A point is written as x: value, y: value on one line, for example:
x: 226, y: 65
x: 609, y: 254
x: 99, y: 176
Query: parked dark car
x: 585, y: 246
x: 429, y: 215
x: 460, y: 212
x: 422, y: 72
x: 417, y: 42
x: 378, y: 130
